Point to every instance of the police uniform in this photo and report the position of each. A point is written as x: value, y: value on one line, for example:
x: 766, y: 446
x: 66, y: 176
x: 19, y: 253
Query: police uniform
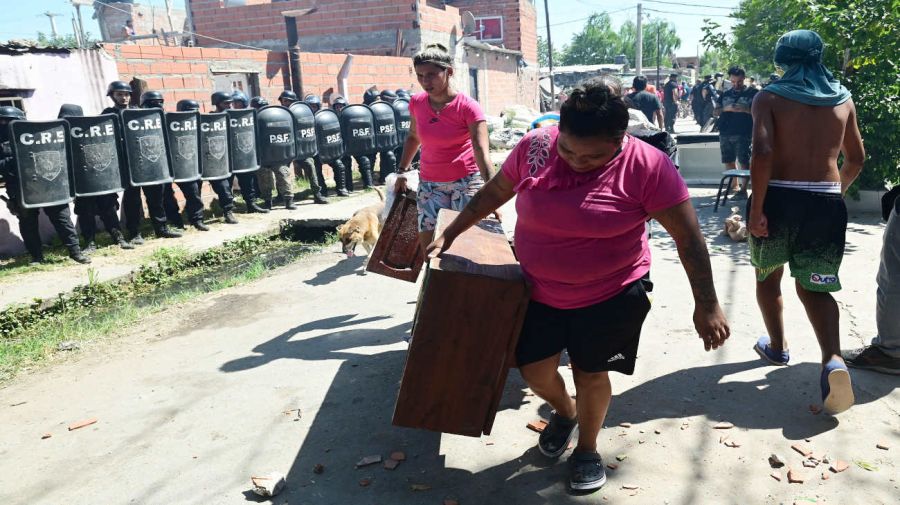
x: 398, y: 152
x: 387, y: 159
x: 89, y: 208
x: 131, y: 198
x: 308, y: 168
x: 28, y: 218
x: 247, y: 181
x: 222, y: 187
x: 190, y: 190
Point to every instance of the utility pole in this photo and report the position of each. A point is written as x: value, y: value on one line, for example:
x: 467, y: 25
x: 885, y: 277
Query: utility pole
x: 52, y: 15
x: 80, y: 28
x: 639, y: 50
x: 550, y: 57
x: 190, y: 22
x: 658, y: 50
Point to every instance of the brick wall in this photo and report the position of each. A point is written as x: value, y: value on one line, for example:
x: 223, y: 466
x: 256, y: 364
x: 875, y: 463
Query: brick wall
x: 187, y: 72
x: 357, y: 26
x: 501, y: 82
x: 519, y: 22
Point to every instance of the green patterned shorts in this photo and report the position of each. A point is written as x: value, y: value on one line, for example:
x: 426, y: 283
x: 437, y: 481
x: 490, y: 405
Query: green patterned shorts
x: 808, y: 231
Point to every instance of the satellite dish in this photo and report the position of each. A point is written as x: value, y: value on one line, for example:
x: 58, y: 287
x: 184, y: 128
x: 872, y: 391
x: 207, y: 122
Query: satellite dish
x: 468, y: 24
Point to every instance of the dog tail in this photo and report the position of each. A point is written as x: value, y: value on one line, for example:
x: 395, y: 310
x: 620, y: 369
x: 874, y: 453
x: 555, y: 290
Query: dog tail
x: 380, y: 194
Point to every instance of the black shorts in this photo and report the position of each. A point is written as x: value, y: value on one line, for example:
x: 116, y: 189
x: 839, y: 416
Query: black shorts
x: 735, y: 147
x: 599, y: 337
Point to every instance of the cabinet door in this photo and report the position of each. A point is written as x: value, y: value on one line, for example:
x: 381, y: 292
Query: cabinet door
x: 397, y: 253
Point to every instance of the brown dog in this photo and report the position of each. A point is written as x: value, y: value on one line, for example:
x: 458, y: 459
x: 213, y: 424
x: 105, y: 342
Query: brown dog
x: 363, y: 228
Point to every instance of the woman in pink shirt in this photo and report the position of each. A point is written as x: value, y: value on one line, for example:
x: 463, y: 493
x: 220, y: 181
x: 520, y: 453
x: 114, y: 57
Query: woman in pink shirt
x: 452, y: 131
x: 584, y: 191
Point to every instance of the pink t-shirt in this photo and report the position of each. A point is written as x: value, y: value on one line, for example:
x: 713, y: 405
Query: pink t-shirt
x: 580, y: 237
x: 447, y: 153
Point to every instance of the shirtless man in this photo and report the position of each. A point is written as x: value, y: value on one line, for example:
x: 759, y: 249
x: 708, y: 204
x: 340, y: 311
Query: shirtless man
x: 801, y: 123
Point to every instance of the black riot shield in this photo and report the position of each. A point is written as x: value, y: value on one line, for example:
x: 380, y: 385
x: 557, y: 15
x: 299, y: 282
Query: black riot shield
x: 145, y: 147
x: 276, y: 144
x: 184, y: 144
x: 304, y: 130
x: 242, y: 140
x: 358, y: 130
x: 96, y: 159
x: 43, y: 162
x: 401, y: 115
x: 385, y: 126
x: 328, y: 135
x: 214, y: 146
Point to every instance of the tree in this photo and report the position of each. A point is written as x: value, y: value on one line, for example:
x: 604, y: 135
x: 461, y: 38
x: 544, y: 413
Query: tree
x: 543, y: 56
x: 67, y: 40
x: 597, y: 43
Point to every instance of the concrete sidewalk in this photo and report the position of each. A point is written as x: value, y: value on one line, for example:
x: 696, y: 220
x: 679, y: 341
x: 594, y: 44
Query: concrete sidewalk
x: 114, y: 262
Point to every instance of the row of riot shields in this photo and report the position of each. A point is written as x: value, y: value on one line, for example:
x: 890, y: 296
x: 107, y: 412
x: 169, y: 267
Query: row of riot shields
x: 96, y: 155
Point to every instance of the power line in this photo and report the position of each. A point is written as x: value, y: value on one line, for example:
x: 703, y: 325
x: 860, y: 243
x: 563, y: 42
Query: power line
x: 589, y: 17
x: 689, y: 4
x: 689, y: 14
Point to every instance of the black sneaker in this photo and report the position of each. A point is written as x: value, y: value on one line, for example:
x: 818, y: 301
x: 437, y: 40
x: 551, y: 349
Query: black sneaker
x: 872, y: 358
x: 586, y: 471
x: 555, y: 438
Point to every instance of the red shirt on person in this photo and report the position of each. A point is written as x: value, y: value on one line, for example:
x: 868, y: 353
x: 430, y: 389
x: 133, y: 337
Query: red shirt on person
x: 447, y: 152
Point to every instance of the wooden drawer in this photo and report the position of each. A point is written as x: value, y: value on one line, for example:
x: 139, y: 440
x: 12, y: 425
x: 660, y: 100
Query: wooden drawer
x: 397, y: 253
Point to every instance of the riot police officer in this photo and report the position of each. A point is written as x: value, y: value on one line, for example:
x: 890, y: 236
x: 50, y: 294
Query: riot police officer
x: 363, y: 162
x: 387, y: 159
x: 28, y: 218
x: 89, y: 208
x: 307, y: 167
x: 247, y: 181
x: 190, y: 190
x: 337, y: 166
x: 270, y: 176
x: 403, y: 94
x: 221, y: 100
x: 120, y: 93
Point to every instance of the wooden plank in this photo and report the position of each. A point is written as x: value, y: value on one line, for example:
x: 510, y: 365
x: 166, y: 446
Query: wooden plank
x: 470, y: 312
x: 397, y: 253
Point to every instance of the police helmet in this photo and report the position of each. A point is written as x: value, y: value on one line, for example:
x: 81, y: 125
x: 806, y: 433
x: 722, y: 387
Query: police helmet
x: 258, y: 102
x: 314, y: 102
x: 370, y: 96
x: 773, y: 77
x: 388, y: 96
x: 118, y: 86
x: 239, y: 96
x: 150, y: 99
x: 288, y: 94
x: 187, y: 105
x: 402, y: 93
x: 338, y: 103
x: 220, y: 97
x: 69, y: 109
x: 719, y: 74
x: 10, y: 112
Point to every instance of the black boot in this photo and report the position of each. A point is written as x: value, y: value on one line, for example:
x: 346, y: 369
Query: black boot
x: 119, y: 239
x: 367, y: 178
x: 78, y: 256
x: 267, y: 204
x: 318, y: 198
x: 253, y: 207
x: 229, y: 217
x: 200, y: 225
x: 289, y: 203
x: 136, y: 238
x: 89, y: 247
x: 165, y: 232
x: 340, y: 180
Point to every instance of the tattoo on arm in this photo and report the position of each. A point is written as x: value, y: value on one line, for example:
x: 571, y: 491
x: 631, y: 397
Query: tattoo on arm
x: 695, y: 259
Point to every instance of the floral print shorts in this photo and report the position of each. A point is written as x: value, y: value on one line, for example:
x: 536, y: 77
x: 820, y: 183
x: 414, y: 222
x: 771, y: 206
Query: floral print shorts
x: 454, y: 195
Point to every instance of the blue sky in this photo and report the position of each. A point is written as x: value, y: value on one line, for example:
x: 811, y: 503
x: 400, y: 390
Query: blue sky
x: 23, y: 19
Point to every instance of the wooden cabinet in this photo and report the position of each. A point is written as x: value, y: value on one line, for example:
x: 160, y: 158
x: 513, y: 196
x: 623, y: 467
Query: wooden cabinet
x: 467, y: 323
x: 397, y: 253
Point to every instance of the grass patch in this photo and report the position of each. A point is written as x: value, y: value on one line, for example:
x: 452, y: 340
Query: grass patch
x: 29, y: 334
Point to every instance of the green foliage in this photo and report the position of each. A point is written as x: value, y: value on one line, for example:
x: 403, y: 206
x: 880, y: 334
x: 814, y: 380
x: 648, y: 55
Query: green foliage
x: 599, y: 43
x: 668, y: 41
x: 67, y: 40
x: 543, y: 54
x: 596, y: 43
x: 862, y: 39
